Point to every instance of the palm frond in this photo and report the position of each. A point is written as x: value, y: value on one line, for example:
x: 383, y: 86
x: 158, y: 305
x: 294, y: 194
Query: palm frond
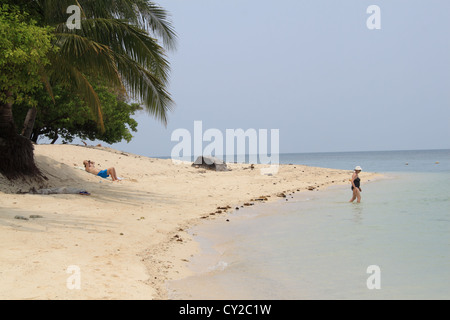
x: 118, y: 43
x: 142, y: 13
x: 68, y: 75
x: 120, y: 36
x: 143, y: 85
x: 93, y: 57
x: 156, y: 19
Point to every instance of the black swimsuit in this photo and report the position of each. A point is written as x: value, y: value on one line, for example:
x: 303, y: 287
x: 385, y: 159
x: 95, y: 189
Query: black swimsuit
x: 356, y: 182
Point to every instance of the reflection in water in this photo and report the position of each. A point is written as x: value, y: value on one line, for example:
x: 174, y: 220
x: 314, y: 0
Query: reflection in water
x: 357, y: 209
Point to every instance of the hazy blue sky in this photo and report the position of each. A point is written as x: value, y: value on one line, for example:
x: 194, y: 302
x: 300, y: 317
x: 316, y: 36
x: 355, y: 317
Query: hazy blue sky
x: 311, y: 69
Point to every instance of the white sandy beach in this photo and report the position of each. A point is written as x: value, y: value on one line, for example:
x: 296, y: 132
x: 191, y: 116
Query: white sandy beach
x: 128, y: 237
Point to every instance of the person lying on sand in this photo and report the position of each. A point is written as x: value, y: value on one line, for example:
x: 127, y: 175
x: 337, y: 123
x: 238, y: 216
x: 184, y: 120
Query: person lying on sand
x: 89, y: 166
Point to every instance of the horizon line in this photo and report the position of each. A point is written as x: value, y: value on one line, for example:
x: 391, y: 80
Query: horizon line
x: 316, y: 152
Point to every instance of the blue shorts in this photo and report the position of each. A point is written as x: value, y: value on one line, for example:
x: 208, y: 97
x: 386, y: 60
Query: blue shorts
x: 103, y: 174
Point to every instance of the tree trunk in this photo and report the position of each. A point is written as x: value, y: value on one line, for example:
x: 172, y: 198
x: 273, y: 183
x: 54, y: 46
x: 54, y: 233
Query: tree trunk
x: 55, y: 137
x: 16, y: 152
x: 29, y: 123
x: 35, y: 135
x: 7, y: 127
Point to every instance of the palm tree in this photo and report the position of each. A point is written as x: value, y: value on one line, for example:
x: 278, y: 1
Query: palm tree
x: 113, y: 44
x: 118, y: 42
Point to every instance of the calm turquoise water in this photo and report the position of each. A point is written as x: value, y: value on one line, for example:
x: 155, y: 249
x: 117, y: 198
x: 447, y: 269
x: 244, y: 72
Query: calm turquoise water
x: 319, y: 246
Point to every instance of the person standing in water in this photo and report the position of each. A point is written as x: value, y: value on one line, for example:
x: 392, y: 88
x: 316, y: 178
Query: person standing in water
x: 356, y: 182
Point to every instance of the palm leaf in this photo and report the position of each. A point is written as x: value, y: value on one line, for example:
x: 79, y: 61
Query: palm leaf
x: 72, y: 77
x: 118, y: 43
x: 143, y: 85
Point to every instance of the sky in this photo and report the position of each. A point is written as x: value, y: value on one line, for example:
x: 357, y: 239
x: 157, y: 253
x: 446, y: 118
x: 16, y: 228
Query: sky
x: 311, y: 69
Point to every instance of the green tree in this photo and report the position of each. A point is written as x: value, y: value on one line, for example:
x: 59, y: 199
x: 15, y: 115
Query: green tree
x: 24, y: 48
x: 66, y: 116
x: 118, y: 42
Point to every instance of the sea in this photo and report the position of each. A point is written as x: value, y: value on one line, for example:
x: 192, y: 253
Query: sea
x: 393, y: 245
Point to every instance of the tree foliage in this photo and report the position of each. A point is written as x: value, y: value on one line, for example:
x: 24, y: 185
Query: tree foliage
x: 67, y: 116
x: 24, y: 49
x: 121, y: 42
x: 118, y: 43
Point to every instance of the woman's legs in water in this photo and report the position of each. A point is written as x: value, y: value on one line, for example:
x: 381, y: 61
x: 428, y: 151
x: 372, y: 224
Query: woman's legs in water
x: 356, y: 195
x: 353, y: 197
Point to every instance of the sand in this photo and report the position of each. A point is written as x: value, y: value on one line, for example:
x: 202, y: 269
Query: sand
x: 128, y: 238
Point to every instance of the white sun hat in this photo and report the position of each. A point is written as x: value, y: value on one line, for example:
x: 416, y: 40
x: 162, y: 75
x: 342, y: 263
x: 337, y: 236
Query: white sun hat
x: 358, y: 168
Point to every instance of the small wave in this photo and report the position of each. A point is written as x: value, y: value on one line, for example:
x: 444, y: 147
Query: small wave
x: 220, y: 266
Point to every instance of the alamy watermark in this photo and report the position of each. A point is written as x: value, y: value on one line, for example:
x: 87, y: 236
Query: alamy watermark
x: 236, y: 145
x: 73, y: 282
x: 374, y: 280
x: 74, y: 21
x: 374, y: 20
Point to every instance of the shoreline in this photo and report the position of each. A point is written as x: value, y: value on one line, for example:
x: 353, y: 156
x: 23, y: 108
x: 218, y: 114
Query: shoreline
x: 127, y: 237
x: 189, y: 247
x: 203, y: 261
x: 319, y: 246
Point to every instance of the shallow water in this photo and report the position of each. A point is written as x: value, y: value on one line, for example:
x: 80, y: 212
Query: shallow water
x: 319, y: 246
